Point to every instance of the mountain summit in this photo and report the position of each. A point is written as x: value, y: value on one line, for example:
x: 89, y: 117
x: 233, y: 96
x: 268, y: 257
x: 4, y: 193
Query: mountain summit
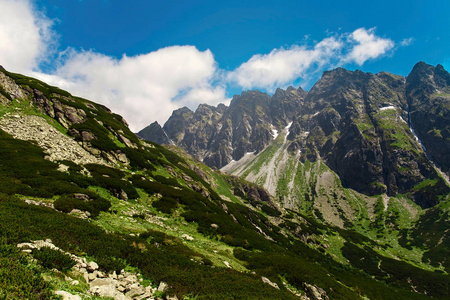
x: 380, y: 133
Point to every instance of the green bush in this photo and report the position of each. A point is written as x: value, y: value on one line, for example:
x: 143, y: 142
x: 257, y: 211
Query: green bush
x: 18, y: 279
x: 110, y: 264
x: 165, y: 204
x: 94, y: 206
x: 53, y: 259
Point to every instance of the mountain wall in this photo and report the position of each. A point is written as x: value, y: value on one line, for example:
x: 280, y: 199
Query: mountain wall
x: 380, y: 133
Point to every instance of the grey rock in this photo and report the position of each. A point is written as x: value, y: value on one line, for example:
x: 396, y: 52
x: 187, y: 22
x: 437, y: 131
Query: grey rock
x: 87, y: 136
x: 108, y: 291
x: 102, y: 281
x: 267, y: 281
x: 135, y: 291
x: 72, y: 115
x: 67, y: 295
x: 163, y: 287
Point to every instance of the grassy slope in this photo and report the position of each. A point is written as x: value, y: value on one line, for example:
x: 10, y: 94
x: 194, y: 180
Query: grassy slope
x: 317, y: 192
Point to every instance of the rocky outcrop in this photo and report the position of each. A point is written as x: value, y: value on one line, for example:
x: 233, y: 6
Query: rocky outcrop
x: 358, y: 124
x: 122, y: 286
x: 428, y: 96
x: 57, y: 145
x: 154, y: 133
x: 217, y: 135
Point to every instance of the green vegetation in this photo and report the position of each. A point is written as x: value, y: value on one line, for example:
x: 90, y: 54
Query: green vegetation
x: 19, y: 278
x: 53, y: 259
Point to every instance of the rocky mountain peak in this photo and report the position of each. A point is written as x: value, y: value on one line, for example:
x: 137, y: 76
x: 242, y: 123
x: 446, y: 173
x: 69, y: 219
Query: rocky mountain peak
x: 155, y: 133
x: 371, y: 129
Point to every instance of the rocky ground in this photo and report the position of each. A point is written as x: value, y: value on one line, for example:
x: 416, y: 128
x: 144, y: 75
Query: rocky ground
x: 122, y: 286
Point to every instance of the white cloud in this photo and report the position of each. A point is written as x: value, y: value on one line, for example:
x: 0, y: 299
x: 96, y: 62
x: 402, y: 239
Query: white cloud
x: 143, y: 88
x: 368, y: 46
x: 25, y: 36
x: 407, y: 42
x: 282, y: 67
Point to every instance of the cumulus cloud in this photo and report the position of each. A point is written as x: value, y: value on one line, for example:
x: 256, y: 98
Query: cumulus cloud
x: 146, y: 87
x: 25, y: 36
x: 283, y: 66
x: 368, y: 46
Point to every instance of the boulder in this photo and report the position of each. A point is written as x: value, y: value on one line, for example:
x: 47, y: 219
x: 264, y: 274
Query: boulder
x: 267, y: 281
x: 107, y: 291
x: 92, y: 266
x: 187, y: 237
x: 101, y: 282
x: 135, y: 291
x: 163, y: 287
x: 67, y: 295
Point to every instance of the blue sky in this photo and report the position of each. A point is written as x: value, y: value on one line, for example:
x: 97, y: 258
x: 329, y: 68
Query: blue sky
x: 145, y: 58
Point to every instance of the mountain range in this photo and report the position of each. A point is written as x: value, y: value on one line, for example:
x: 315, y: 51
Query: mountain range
x: 337, y: 193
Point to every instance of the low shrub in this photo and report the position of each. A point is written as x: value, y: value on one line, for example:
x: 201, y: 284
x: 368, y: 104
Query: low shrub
x: 18, y: 279
x: 53, y: 259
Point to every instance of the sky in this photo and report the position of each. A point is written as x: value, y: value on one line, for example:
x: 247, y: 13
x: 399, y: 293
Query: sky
x: 143, y: 59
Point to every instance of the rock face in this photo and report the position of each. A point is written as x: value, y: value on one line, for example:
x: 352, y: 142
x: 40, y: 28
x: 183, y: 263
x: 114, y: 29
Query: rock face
x: 217, y: 135
x: 428, y: 94
x: 381, y: 133
x: 358, y: 123
x: 66, y: 127
x: 154, y: 133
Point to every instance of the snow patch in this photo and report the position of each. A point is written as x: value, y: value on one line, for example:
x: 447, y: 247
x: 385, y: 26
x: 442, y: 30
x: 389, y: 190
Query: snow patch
x: 315, y: 114
x: 274, y: 131
x: 387, y: 107
x: 289, y: 125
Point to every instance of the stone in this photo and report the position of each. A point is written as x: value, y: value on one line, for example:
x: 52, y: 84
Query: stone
x: 314, y: 292
x: 87, y: 136
x: 102, y: 281
x: 187, y: 237
x: 67, y: 295
x: 26, y: 245
x: 91, y: 276
x: 92, y: 266
x: 86, y: 277
x: 113, y: 275
x: 131, y: 278
x: 121, y: 288
x: 75, y: 282
x: 71, y: 114
x: 135, y: 291
x: 81, y: 196
x: 163, y: 287
x: 100, y: 274
x: 146, y: 295
x: 267, y: 281
x: 108, y: 291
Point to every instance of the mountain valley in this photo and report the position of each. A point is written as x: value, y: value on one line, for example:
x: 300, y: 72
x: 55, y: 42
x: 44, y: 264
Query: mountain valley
x: 337, y: 193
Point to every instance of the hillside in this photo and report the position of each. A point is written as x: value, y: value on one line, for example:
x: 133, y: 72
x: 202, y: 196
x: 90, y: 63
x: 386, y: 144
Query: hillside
x: 105, y: 214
